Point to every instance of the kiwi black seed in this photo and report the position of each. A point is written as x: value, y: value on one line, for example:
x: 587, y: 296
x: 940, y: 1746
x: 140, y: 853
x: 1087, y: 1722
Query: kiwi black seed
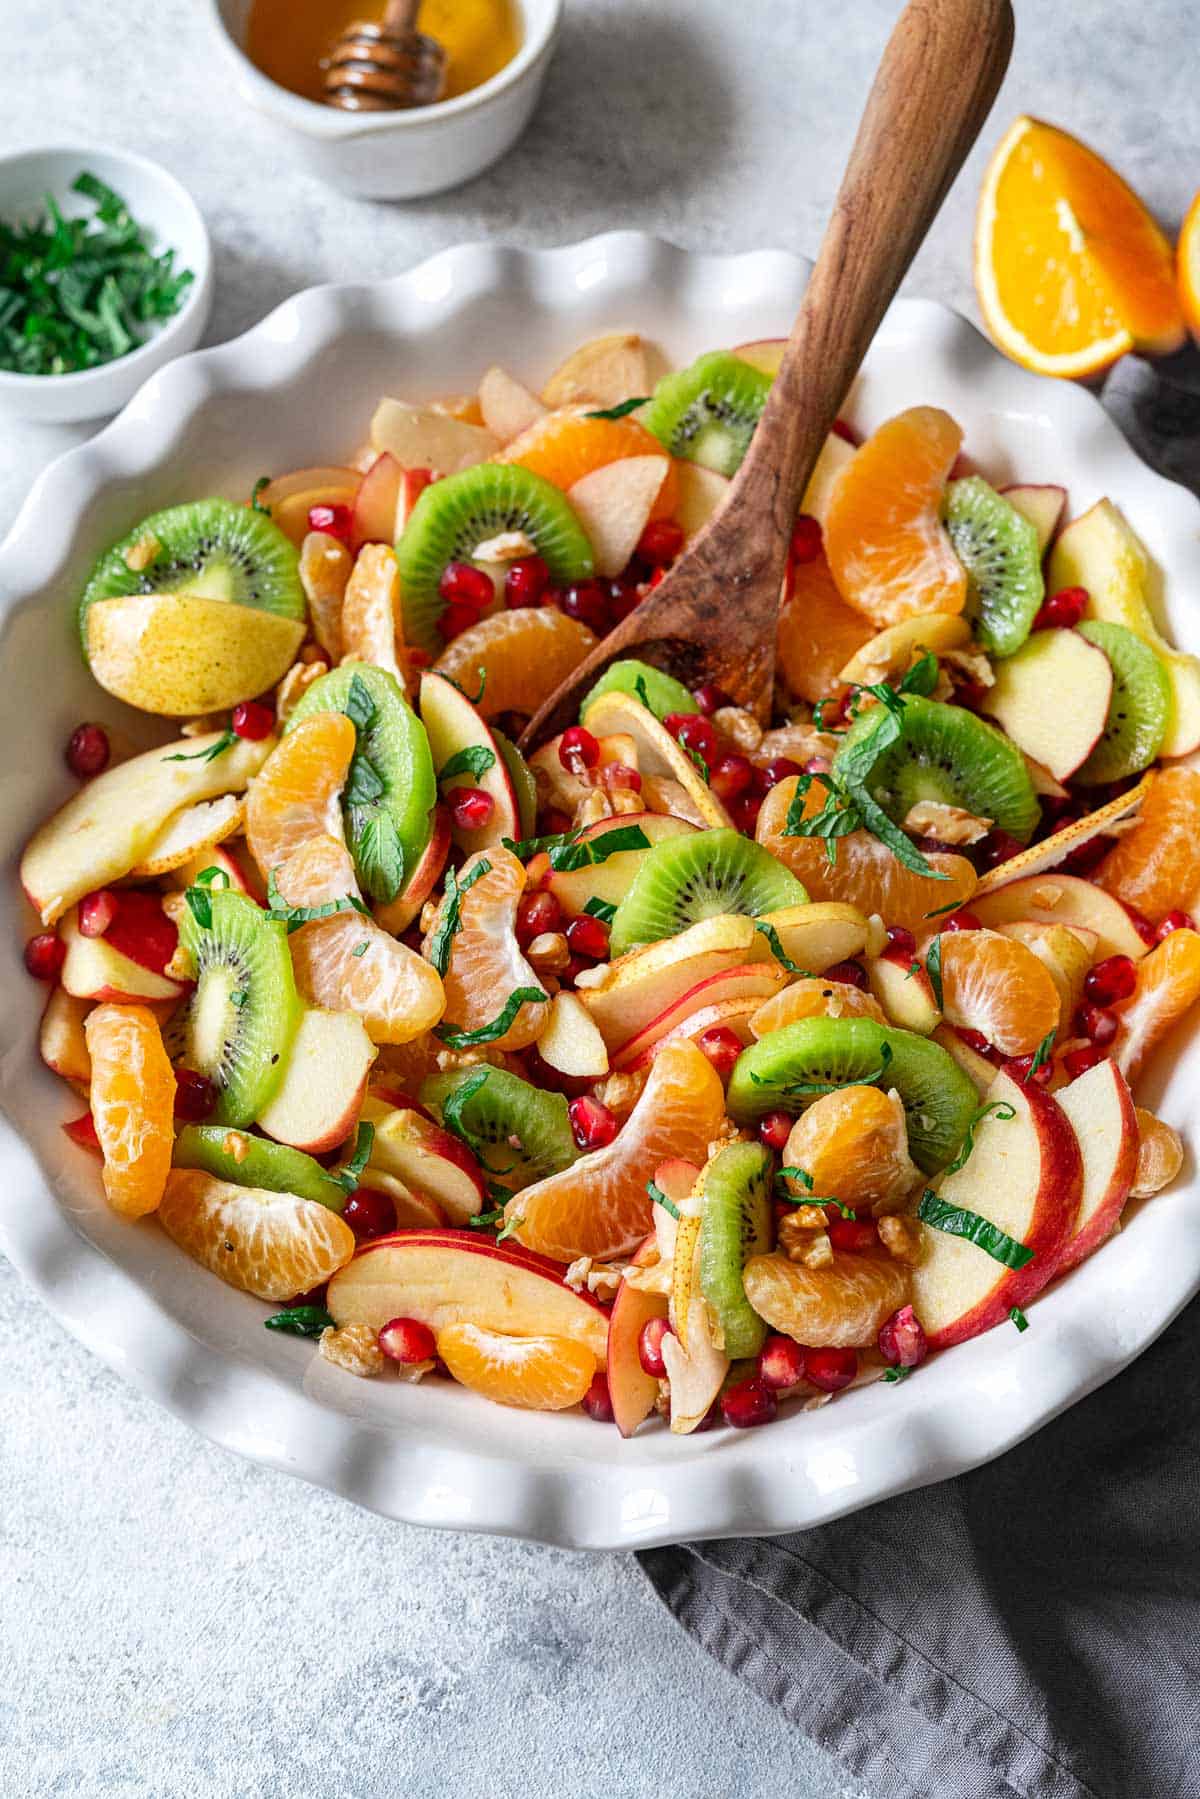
x: 793, y: 1067
x: 662, y: 693
x: 519, y: 1133
x: 454, y: 516
x: 948, y: 755
x: 707, y: 412
x: 243, y: 1014
x: 735, y: 1224
x: 1139, y: 710
x: 999, y: 550
x: 684, y: 879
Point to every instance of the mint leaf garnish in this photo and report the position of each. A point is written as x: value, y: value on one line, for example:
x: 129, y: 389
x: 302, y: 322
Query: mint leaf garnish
x: 224, y: 742
x: 475, y: 760
x: 488, y: 1033
x: 620, y: 411
x: 300, y: 1321
x: 451, y: 915
x: 957, y: 1221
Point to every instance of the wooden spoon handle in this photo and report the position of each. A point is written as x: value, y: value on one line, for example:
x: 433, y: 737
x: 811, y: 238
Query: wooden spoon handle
x: 400, y: 16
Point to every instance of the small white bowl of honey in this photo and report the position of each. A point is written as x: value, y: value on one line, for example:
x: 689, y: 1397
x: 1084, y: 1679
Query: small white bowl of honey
x: 496, y: 54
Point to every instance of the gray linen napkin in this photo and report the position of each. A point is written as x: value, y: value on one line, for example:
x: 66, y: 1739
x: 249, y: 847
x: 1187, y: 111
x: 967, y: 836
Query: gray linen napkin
x: 1032, y: 1628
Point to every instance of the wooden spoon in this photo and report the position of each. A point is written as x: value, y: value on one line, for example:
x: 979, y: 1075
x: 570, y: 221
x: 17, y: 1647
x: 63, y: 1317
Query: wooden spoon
x: 714, y: 617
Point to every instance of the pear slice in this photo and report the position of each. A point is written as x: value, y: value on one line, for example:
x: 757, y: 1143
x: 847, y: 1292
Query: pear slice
x: 179, y: 654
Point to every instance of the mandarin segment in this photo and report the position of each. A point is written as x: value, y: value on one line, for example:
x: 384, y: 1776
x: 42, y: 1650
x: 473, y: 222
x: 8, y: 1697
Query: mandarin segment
x: 566, y: 445
x: 997, y: 985
x: 839, y: 1306
x: 484, y: 963
x: 525, y: 654
x: 1168, y: 986
x: 854, y: 1146
x: 540, y: 1374
x: 132, y: 1099
x: 818, y: 633
x: 321, y: 873
x: 1156, y: 865
x: 348, y: 963
x: 294, y: 796
x: 270, y: 1244
x: 810, y: 996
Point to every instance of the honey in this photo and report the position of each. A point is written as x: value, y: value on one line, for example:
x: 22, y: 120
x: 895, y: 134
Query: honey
x: 287, y: 39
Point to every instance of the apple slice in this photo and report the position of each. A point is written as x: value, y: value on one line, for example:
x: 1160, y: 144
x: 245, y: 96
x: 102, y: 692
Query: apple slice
x: 507, y: 405
x: 1025, y: 1177
x: 375, y: 503
x: 835, y: 454
x: 1053, y: 849
x: 420, y: 438
x: 461, y: 1277
x: 61, y: 1038
x: 1042, y: 506
x: 425, y: 1157
x: 892, y: 651
x: 399, y: 913
x: 107, y: 827
x: 185, y: 874
x: 613, y: 504
x: 317, y: 1102
x: 731, y: 1014
x: 460, y: 741
x: 571, y: 1042
x: 192, y: 833
x: 181, y: 653
x: 414, y: 1211
x: 608, y: 880
x: 1100, y: 1108
x: 658, y: 755
x: 1052, y: 698
x: 606, y: 371
x: 624, y: 996
x: 753, y: 982
x: 95, y: 970
x: 702, y: 493
x: 975, y: 1066
x: 632, y: 1392
x: 413, y: 482
x: 1061, y: 899
x: 290, y: 498
x: 905, y: 993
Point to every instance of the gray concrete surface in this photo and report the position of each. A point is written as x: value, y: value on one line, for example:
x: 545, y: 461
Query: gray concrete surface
x: 174, y: 1621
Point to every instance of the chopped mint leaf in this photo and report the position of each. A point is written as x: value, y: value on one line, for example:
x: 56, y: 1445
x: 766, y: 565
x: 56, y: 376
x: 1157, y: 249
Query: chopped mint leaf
x: 957, y: 1221
x: 999, y: 1108
x: 451, y: 918
x: 1041, y: 1056
x: 604, y: 910
x: 360, y: 707
x: 484, y: 1221
x: 594, y: 850
x: 660, y: 1199
x: 224, y: 742
x: 488, y: 1033
x: 349, y: 1176
x: 514, y: 1224
x: 776, y: 948
x: 796, y: 1174
x: 239, y: 998
x: 639, y: 687
x: 896, y: 1374
x: 933, y: 968
x: 474, y: 760
x: 294, y: 916
x: 360, y: 949
x: 379, y: 856
x: 263, y: 481
x: 941, y: 911
x: 621, y: 410
x: 1017, y: 1317
x: 300, y: 1321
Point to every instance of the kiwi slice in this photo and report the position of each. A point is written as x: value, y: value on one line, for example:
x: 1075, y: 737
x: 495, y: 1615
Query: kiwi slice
x: 793, y: 1067
x: 684, y: 879
x: 999, y: 550
x: 735, y: 1224
x: 256, y: 1164
x: 519, y: 1133
x: 947, y: 754
x: 454, y: 516
x: 390, y: 790
x: 1138, y: 711
x: 521, y: 776
x: 707, y: 413
x: 245, y: 1009
x: 661, y: 693
x: 212, y: 548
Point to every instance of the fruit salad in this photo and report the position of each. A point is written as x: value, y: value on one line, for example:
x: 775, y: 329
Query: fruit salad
x: 692, y: 1065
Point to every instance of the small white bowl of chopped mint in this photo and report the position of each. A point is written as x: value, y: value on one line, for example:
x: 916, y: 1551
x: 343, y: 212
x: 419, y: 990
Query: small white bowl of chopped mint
x: 105, y: 275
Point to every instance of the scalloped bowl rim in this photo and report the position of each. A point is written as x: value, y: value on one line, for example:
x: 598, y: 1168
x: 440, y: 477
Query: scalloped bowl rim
x: 440, y: 1456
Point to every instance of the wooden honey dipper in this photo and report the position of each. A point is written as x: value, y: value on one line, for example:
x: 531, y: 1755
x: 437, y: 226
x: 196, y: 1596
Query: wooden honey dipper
x: 386, y: 66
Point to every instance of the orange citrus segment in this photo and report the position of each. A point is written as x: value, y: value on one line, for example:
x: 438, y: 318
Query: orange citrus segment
x: 294, y: 796
x: 526, y: 654
x: 321, y: 872
x: 1156, y: 865
x: 599, y: 1206
x: 1168, y: 985
x: 854, y: 1144
x: 996, y: 985
x: 395, y: 992
x: 1188, y: 268
x: 485, y: 962
x: 1070, y: 268
x: 566, y: 445
x: 887, y: 550
x: 133, y: 1103
x: 818, y: 632
x: 865, y: 874
x: 838, y: 1306
x: 273, y: 1245
x: 543, y: 1374
x: 812, y: 997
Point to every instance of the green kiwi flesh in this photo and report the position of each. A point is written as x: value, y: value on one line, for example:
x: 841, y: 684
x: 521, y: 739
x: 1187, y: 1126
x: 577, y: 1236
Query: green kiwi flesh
x: 707, y: 412
x: 661, y: 693
x: 390, y: 790
x: 1139, y: 710
x: 521, y: 776
x: 999, y: 550
x: 243, y: 1014
x: 795, y: 1066
x: 212, y: 548
x: 684, y: 879
x: 519, y: 1133
x: 257, y: 1164
x: 455, y: 515
x: 735, y: 1224
x: 947, y: 754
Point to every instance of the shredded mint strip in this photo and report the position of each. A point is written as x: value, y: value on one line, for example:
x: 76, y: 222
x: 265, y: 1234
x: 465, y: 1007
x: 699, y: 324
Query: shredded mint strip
x: 796, y: 1174
x: 294, y: 916
x: 956, y: 1221
x: 300, y: 1321
x: 1017, y: 1317
x: 776, y: 948
x: 1041, y: 1056
x: 604, y: 910
x: 451, y: 918
x: 933, y: 968
x: 484, y: 1221
x: 660, y: 1199
x: 622, y: 410
x: 263, y: 481
x: 594, y: 850
x: 897, y: 1374
x: 488, y: 1033
x: 997, y: 1108
x: 475, y: 760
x: 224, y: 742
x: 348, y: 1177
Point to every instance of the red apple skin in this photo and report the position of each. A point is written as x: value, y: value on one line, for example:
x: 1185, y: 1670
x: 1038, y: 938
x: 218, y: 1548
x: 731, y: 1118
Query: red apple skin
x: 631, y: 1391
x: 141, y: 930
x: 1088, y: 1234
x: 403, y: 1102
x: 733, y: 1013
x: 755, y: 981
x: 337, y: 1132
x: 375, y: 503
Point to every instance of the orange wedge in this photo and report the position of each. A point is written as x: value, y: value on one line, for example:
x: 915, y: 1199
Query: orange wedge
x: 887, y: 549
x: 854, y: 1144
x: 273, y: 1245
x: 840, y: 1306
x: 818, y: 633
x: 566, y: 445
x: 485, y: 963
x: 294, y: 796
x: 320, y: 872
x: 599, y: 1206
x: 543, y: 1374
x: 997, y: 985
x: 812, y: 997
x: 1070, y: 268
x: 133, y: 1102
x: 1156, y: 865
x: 1187, y: 257
x: 526, y: 654
x: 1168, y: 986
x: 395, y: 992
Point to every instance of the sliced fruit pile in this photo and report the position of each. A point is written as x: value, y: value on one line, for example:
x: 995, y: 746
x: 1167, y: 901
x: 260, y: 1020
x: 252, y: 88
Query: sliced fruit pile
x: 687, y: 1065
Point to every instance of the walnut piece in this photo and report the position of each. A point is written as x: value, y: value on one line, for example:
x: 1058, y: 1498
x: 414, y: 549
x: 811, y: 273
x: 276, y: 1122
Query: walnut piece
x: 900, y: 1236
x: 295, y: 683
x: 549, y: 953
x: 600, y: 1278
x: 740, y: 726
x: 354, y: 1347
x: 949, y: 824
x: 142, y: 552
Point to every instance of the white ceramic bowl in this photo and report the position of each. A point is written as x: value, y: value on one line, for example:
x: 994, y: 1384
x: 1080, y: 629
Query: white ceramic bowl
x: 400, y: 155
x: 299, y: 389
x: 155, y: 199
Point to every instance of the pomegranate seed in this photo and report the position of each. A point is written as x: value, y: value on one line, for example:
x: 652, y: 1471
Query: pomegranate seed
x: 596, y: 1401
x: 1086, y: 857
x: 470, y: 807
x: 710, y: 698
x: 588, y: 936
x: 1174, y: 921
x: 748, y: 1404
x: 418, y: 657
x: 195, y: 1096
x: 83, y: 1131
x: 369, y: 1213
x: 619, y: 774
x: 970, y: 694
x: 730, y: 777
x: 650, y: 1353
x: 1111, y: 980
x: 854, y: 1234
x: 1021, y: 1069
x: 577, y: 750
x: 45, y: 955
x: 253, y: 721
x: 660, y: 542
x: 335, y: 521
x: 1063, y: 609
x: 976, y: 1040
x: 574, y: 968
x: 592, y: 1122
x: 407, y: 1340
x: 456, y: 619
x: 780, y: 1363
x: 851, y: 974
x: 1142, y: 925
x: 745, y: 811
x: 818, y: 765
x: 588, y: 602
x: 774, y: 1129
x: 88, y: 750
x: 807, y: 539
x: 999, y: 847
x: 962, y: 921
x: 779, y: 768
x: 624, y: 597
x: 694, y: 732
x: 462, y: 584
x: 536, y: 914
x: 830, y: 1369
x: 96, y: 912
x: 1078, y: 1061
x: 1096, y: 1022
x: 902, y: 1340
x: 526, y: 581
x: 553, y: 822
x: 722, y: 1046
x: 841, y: 429
x: 902, y: 945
